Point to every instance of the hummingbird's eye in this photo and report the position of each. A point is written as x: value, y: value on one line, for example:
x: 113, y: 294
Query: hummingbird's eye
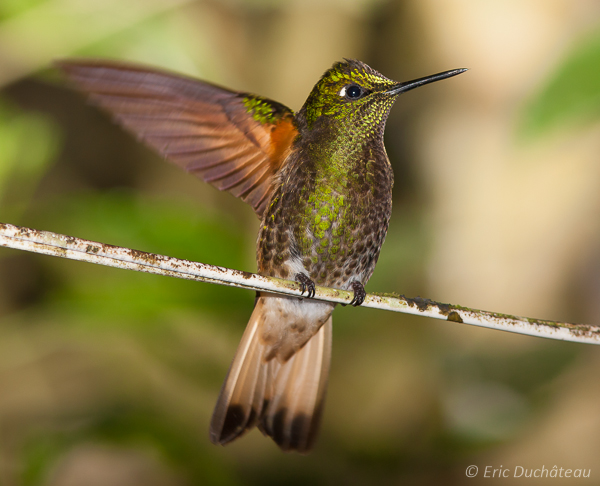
x: 352, y: 92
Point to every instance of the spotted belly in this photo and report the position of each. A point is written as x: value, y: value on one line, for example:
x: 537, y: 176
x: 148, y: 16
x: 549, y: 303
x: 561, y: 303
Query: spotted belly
x: 333, y: 243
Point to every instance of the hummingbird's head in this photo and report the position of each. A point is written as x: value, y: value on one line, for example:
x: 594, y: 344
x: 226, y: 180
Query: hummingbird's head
x: 350, y: 91
x: 353, y: 95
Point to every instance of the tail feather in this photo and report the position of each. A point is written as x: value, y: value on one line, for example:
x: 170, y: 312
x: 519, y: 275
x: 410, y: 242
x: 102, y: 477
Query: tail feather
x: 285, y: 399
x: 293, y: 417
x: 240, y: 402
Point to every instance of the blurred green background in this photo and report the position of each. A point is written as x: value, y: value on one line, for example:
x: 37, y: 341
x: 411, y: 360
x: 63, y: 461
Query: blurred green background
x: 108, y: 377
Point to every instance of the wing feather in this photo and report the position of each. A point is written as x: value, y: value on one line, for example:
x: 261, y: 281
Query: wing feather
x: 215, y: 133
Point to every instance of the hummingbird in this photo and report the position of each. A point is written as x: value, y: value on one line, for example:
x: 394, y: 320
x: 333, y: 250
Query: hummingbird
x: 320, y: 182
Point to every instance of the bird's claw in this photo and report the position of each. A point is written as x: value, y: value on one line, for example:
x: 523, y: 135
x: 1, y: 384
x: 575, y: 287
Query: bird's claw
x: 359, y: 293
x: 306, y: 285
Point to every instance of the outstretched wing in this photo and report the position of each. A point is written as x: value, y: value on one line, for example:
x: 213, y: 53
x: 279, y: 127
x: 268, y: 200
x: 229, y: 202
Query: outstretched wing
x: 235, y: 141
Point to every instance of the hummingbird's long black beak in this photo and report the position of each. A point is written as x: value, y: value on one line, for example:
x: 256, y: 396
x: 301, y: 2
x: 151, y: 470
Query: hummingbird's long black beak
x: 415, y: 83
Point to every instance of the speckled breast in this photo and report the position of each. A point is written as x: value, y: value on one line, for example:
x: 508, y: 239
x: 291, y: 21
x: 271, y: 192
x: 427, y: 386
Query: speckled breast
x: 326, y: 225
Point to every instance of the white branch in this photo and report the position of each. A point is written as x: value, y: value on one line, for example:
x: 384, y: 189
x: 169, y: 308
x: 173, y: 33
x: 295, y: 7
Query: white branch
x: 113, y: 256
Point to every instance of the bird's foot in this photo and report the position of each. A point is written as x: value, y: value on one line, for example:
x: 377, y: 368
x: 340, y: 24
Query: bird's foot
x: 359, y: 293
x: 306, y: 284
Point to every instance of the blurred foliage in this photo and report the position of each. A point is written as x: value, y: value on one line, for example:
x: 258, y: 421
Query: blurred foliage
x: 571, y: 95
x: 157, y: 40
x: 160, y: 226
x: 28, y: 144
x: 9, y: 8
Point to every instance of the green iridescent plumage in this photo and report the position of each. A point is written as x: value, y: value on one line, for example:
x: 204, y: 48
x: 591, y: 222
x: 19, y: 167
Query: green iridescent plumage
x: 261, y: 110
x: 332, y: 208
x: 324, y: 100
